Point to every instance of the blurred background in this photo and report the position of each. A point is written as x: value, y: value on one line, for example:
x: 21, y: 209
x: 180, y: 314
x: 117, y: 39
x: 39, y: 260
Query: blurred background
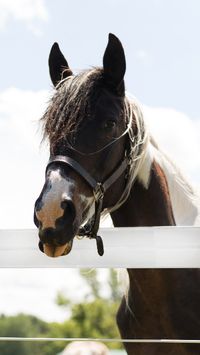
x: 160, y: 39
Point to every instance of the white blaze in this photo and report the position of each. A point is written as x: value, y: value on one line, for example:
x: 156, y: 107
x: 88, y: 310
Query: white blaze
x: 60, y: 190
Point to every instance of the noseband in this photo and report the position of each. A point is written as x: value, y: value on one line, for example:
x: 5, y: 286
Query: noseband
x: 99, y: 188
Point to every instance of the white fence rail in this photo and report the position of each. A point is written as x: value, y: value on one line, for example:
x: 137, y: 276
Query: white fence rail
x: 154, y: 247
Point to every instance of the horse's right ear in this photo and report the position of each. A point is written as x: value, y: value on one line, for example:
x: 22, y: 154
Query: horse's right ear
x: 58, y: 66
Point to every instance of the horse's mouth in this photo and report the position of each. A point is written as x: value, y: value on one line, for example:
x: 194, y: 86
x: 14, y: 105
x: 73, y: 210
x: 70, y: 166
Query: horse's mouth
x: 55, y: 251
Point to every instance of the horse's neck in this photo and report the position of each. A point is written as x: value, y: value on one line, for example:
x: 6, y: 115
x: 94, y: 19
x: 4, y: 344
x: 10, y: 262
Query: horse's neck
x: 159, y: 196
x: 146, y: 288
x: 146, y: 206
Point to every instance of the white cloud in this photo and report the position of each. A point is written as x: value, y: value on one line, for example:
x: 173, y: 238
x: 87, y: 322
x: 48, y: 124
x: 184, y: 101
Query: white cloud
x: 22, y: 159
x: 39, y: 287
x: 27, y: 11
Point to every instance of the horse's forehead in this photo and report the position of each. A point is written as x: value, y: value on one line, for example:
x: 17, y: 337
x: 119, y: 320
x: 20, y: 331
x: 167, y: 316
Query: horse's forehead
x: 107, y: 103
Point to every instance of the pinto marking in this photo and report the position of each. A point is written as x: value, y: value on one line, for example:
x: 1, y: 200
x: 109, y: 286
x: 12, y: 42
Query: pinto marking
x: 145, y: 168
x: 60, y: 190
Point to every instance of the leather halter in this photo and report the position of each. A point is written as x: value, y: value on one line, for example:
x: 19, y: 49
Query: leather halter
x: 90, y: 229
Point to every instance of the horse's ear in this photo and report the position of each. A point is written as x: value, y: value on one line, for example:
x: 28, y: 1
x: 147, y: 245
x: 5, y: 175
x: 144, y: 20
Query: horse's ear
x: 58, y: 66
x: 114, y: 64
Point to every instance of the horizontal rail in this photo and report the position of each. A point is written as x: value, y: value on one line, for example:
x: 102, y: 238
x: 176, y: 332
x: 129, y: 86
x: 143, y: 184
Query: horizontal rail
x: 103, y: 340
x: 145, y: 247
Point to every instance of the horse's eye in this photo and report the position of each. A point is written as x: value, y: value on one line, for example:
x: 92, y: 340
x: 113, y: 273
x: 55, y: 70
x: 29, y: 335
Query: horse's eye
x: 110, y: 124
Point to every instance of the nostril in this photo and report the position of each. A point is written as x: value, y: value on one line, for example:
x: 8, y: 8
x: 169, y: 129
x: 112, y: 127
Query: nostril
x: 69, y: 209
x: 46, y: 234
x: 52, y: 237
x: 41, y: 247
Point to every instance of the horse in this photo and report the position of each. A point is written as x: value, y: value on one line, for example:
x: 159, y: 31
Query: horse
x: 103, y: 160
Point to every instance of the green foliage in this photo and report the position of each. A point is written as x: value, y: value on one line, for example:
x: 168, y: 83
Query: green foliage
x: 21, y: 326
x: 62, y: 300
x: 96, y: 319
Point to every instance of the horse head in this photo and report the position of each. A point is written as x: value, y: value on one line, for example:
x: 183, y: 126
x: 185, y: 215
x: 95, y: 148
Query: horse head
x: 86, y: 126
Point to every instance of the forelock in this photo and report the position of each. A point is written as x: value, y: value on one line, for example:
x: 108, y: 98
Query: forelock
x: 71, y: 104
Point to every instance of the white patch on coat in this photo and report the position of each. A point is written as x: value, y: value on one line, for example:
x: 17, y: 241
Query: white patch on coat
x: 60, y: 190
x: 145, y: 168
x: 184, y: 199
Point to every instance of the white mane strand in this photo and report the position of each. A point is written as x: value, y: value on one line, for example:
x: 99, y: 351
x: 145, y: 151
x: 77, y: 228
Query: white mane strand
x: 185, y: 200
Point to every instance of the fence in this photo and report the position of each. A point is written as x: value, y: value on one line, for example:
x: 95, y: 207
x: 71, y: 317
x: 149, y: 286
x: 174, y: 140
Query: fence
x: 144, y: 247
x: 154, y: 247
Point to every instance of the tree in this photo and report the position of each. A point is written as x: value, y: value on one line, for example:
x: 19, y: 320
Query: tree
x: 21, y: 326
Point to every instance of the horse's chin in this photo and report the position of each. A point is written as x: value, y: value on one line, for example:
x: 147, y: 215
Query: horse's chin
x: 55, y: 251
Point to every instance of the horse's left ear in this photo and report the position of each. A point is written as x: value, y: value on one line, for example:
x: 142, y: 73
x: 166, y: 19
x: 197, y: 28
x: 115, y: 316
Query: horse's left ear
x: 58, y: 66
x: 114, y: 64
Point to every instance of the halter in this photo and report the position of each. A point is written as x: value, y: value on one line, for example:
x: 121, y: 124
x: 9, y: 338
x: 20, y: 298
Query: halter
x: 99, y: 189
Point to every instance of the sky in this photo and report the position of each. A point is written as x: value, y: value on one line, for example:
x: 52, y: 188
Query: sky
x: 160, y: 39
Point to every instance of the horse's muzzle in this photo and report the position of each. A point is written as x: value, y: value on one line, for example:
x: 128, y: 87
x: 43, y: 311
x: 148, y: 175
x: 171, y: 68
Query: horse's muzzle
x: 55, y: 250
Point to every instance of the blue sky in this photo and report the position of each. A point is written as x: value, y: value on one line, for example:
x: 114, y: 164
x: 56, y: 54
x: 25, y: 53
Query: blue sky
x: 161, y: 42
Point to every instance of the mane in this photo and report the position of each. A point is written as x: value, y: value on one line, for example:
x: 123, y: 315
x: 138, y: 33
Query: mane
x: 185, y: 199
x: 138, y: 149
